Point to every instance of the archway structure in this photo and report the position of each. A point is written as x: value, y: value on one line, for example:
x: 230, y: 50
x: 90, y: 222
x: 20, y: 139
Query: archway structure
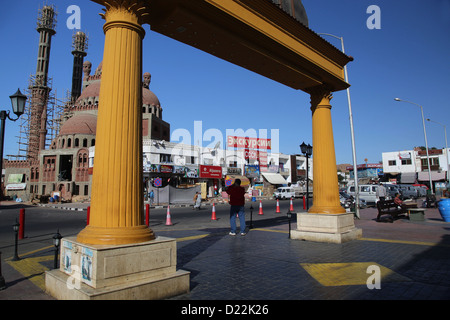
x: 254, y: 34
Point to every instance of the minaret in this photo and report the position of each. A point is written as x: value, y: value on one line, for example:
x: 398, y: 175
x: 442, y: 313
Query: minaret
x: 79, y: 46
x: 40, y: 91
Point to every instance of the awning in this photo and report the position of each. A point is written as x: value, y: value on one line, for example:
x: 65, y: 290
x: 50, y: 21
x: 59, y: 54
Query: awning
x: 408, y: 177
x: 229, y: 180
x: 274, y: 178
x: 435, y: 176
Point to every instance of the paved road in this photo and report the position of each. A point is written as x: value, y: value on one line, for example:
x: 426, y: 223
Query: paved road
x: 412, y: 256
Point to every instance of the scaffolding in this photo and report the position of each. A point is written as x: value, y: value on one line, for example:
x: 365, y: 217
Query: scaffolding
x: 55, y: 112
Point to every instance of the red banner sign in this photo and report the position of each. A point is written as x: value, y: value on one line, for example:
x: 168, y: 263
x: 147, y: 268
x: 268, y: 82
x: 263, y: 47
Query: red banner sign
x: 249, y: 143
x: 214, y: 172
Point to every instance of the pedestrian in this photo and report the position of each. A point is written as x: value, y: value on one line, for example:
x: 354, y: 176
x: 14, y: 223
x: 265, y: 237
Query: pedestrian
x: 237, y: 203
x: 197, y: 201
x: 151, y: 196
x: 381, y: 192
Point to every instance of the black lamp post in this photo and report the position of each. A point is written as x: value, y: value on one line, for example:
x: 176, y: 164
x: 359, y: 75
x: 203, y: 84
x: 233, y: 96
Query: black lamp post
x: 307, y: 151
x: 56, y: 242
x: 16, y: 243
x: 2, y: 279
x: 18, y: 106
x: 289, y: 216
x: 251, y: 217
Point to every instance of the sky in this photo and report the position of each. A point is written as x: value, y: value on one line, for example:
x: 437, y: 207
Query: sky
x: 406, y: 57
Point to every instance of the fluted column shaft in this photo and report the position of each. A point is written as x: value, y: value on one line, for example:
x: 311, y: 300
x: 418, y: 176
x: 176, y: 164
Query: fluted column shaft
x: 117, y: 187
x: 325, y: 186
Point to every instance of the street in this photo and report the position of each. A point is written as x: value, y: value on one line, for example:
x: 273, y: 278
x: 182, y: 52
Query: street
x: 42, y: 223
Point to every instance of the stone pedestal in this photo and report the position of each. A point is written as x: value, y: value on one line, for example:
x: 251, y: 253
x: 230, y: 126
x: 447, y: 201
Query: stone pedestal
x: 332, y: 228
x: 137, y: 271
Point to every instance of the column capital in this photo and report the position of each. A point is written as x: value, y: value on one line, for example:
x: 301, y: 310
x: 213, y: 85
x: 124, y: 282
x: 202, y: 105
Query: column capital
x: 134, y: 11
x: 320, y: 97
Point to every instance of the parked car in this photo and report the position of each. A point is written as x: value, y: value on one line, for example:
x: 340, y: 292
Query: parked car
x: 392, y: 190
x: 408, y: 191
x: 284, y: 193
x: 367, y: 192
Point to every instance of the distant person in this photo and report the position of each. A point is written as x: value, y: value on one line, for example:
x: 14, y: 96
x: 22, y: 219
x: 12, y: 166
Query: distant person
x: 197, y: 201
x: 397, y: 200
x: 151, y: 196
x: 381, y: 192
x: 237, y: 206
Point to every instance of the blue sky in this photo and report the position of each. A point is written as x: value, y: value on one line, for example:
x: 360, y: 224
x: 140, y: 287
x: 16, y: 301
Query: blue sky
x: 407, y: 58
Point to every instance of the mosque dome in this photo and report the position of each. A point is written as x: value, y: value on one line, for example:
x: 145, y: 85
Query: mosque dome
x: 82, y: 123
x: 91, y: 93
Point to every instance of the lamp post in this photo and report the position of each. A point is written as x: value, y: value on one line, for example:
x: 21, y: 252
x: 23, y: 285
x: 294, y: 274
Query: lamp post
x: 251, y: 217
x: 289, y: 216
x: 446, y: 148
x: 307, y: 151
x: 56, y: 242
x: 426, y: 141
x: 18, y: 106
x: 2, y: 279
x: 352, y: 132
x: 16, y: 244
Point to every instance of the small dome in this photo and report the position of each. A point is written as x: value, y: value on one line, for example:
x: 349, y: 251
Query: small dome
x: 149, y: 98
x: 83, y: 123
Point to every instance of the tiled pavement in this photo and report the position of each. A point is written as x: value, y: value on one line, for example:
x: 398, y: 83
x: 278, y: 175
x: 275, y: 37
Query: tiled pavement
x: 413, y: 258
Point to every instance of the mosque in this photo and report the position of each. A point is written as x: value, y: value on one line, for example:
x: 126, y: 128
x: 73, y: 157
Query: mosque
x: 63, y: 168
x: 62, y: 164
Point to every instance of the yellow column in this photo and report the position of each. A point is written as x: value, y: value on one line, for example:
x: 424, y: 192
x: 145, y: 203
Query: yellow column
x: 325, y: 182
x: 117, y: 215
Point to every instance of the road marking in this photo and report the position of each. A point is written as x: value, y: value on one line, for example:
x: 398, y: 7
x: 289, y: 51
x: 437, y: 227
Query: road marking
x: 348, y: 274
x: 32, y: 269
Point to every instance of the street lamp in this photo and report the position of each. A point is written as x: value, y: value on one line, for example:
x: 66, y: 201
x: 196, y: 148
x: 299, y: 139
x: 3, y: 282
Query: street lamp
x: 446, y: 149
x: 352, y: 132
x: 16, y: 231
x: 18, y: 106
x: 307, y: 151
x: 2, y: 279
x: 289, y: 216
x: 426, y: 141
x: 56, y: 242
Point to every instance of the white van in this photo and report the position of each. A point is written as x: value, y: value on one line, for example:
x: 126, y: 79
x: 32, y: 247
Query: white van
x: 284, y: 193
x: 367, y: 192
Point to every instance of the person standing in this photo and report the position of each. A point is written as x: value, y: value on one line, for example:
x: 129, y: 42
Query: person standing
x: 151, y: 196
x: 197, y: 201
x: 381, y: 192
x: 236, y: 194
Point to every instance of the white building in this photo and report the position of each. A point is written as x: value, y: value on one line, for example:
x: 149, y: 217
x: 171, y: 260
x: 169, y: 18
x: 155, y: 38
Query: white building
x: 411, y: 166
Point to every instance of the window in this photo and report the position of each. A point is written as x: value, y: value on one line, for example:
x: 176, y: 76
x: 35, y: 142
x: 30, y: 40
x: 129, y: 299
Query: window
x: 406, y: 162
x: 392, y: 162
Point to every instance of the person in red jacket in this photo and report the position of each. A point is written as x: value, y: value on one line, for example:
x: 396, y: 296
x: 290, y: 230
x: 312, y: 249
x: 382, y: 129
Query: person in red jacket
x: 236, y: 194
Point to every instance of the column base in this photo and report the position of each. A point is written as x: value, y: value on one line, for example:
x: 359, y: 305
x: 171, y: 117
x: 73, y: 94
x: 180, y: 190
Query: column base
x: 330, y: 228
x: 115, y: 236
x: 142, y: 271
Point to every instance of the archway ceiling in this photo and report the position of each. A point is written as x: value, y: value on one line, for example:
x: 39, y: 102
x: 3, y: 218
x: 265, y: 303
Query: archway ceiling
x: 254, y: 34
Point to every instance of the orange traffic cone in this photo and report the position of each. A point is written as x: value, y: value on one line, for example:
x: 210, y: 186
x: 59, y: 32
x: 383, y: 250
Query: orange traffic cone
x: 292, y: 206
x: 260, y: 208
x: 168, y: 219
x: 278, y: 207
x: 213, y: 217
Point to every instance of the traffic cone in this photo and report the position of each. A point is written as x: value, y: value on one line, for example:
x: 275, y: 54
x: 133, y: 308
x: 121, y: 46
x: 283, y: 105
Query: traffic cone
x: 278, y: 207
x: 168, y: 219
x: 260, y: 208
x: 213, y: 217
x: 292, y: 206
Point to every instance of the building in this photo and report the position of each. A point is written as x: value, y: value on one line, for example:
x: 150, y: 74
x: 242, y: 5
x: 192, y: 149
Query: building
x: 411, y: 167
